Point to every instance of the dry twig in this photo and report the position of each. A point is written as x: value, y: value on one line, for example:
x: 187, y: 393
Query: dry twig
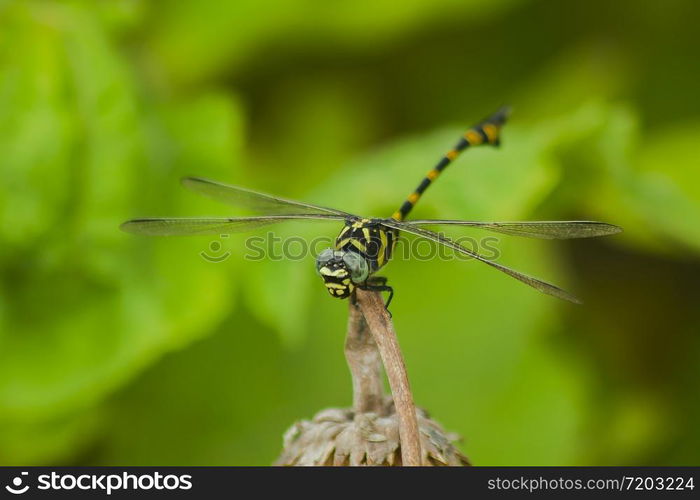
x: 382, y: 329
x: 378, y: 429
x: 365, y: 364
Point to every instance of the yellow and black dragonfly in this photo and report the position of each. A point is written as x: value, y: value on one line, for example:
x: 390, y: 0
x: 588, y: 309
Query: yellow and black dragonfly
x: 365, y: 245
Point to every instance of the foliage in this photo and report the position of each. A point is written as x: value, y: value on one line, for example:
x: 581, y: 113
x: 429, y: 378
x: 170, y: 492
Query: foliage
x: 117, y: 349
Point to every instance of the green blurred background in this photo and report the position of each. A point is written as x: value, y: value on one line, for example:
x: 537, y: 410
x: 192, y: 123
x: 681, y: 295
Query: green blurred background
x: 116, y: 349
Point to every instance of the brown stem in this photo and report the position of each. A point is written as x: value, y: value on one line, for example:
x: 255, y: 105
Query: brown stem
x: 365, y: 364
x: 382, y: 329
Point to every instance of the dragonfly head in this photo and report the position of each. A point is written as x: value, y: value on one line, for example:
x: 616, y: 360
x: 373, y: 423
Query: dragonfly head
x: 341, y: 270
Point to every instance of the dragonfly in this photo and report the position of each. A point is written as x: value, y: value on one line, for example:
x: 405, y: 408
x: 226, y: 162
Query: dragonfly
x: 365, y: 245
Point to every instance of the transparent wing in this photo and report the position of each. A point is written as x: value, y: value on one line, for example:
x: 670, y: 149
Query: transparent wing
x: 263, y: 204
x: 193, y: 226
x: 550, y: 230
x: 540, y: 285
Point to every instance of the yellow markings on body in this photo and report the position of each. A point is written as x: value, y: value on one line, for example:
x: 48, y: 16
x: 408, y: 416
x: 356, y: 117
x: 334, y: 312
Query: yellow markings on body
x: 413, y: 198
x: 491, y: 131
x: 360, y: 223
x: 473, y: 137
x: 358, y: 244
x: 344, y: 230
x: 342, y: 243
x: 365, y: 231
x: 433, y: 174
x: 337, y: 273
x: 382, y: 238
x: 397, y: 215
x: 337, y: 286
x: 382, y: 251
x: 346, y: 281
x: 452, y: 154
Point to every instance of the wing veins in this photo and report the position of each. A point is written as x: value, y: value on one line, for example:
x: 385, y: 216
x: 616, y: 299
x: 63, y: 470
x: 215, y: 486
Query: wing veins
x: 260, y: 203
x: 182, y: 226
x: 535, y: 283
x: 533, y: 229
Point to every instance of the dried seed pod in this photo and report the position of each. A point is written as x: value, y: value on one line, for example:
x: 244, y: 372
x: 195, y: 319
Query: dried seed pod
x: 339, y: 437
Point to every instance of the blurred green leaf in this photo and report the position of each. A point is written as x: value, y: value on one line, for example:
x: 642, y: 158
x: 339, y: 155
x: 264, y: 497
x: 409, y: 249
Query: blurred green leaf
x: 661, y: 192
x: 110, y: 345
x: 187, y: 30
x: 85, y: 307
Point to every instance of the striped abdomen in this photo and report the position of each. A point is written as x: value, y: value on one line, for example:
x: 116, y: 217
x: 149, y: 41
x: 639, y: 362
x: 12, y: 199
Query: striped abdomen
x: 486, y: 132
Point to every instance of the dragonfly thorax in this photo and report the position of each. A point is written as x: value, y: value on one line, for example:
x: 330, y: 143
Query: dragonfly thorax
x: 341, y: 271
x: 368, y: 238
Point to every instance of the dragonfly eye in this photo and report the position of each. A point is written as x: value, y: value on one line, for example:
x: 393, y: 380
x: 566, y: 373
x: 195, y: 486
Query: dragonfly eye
x: 323, y: 259
x: 357, y: 266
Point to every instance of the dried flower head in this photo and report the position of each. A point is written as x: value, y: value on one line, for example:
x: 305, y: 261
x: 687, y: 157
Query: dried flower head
x: 340, y: 437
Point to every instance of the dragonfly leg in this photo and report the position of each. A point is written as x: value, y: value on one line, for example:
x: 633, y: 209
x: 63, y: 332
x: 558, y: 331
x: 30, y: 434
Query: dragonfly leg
x: 378, y: 284
x: 376, y: 280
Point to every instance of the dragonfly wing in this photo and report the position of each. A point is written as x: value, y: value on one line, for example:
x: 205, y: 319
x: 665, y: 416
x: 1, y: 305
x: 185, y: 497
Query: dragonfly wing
x: 260, y: 203
x: 192, y: 226
x: 550, y: 230
x: 538, y: 284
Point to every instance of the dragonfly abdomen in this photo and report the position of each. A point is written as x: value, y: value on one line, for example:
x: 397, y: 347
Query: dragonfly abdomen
x: 486, y: 132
